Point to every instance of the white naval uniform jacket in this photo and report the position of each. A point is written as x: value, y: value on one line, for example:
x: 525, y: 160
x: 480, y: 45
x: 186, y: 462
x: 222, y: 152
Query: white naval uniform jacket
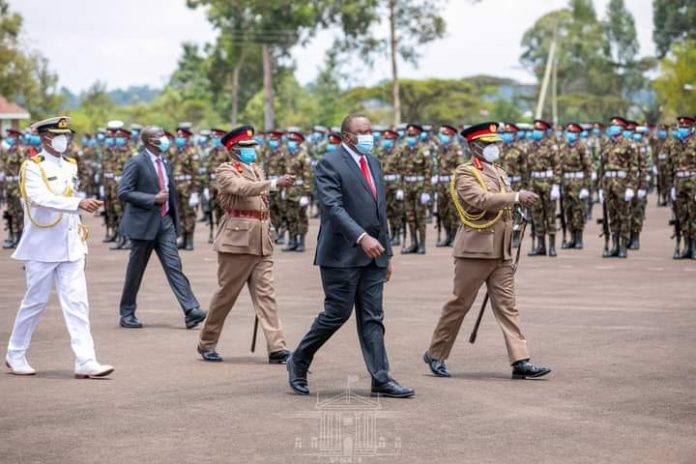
x: 46, y: 193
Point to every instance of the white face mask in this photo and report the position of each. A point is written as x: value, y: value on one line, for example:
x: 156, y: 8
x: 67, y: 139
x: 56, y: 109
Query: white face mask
x: 59, y: 143
x: 491, y: 153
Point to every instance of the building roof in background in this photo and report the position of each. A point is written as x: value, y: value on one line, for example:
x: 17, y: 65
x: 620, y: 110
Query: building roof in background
x: 10, y: 110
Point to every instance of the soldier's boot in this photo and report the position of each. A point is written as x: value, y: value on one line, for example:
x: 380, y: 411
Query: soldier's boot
x: 396, y: 239
x: 552, y: 246
x: 119, y: 243
x: 111, y: 238
x: 280, y: 238
x: 629, y: 245
x: 635, y: 242
x: 688, y: 249
x: 623, y: 243
x: 516, y: 238
x: 578, y: 240
x: 421, y: 243
x: 407, y: 250
x: 188, y: 245
x: 540, y: 249
x: 301, y: 244
x: 569, y: 243
x: 452, y: 235
x: 9, y: 241
x: 445, y: 241
x: 17, y: 238
x: 292, y: 244
x: 693, y: 249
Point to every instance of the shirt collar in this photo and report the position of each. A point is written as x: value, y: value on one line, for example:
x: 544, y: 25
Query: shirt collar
x: 356, y: 156
x: 154, y: 157
x: 49, y: 157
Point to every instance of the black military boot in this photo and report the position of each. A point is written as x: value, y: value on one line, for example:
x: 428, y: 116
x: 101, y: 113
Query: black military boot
x: 687, y: 252
x: 280, y: 237
x: 693, y: 249
x: 570, y: 243
x: 188, y: 246
x: 421, y: 243
x: 552, y: 246
x: 301, y: 244
x: 578, y: 240
x: 445, y: 241
x: 414, y: 244
x: 292, y: 244
x: 17, y: 238
x: 540, y: 249
x: 622, y: 248
x: 110, y: 238
x: 635, y: 244
x: 629, y: 245
x: 396, y: 239
x: 119, y: 243
x: 9, y: 240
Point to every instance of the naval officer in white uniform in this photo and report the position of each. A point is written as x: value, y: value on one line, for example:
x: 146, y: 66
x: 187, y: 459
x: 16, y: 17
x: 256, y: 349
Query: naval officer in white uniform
x: 53, y: 248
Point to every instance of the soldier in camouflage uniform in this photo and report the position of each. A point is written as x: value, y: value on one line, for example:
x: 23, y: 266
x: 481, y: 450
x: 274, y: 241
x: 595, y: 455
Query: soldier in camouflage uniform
x: 217, y: 154
x: 576, y: 171
x: 514, y: 162
x: 544, y: 180
x: 273, y: 159
x: 121, y: 152
x: 185, y: 173
x: 297, y: 197
x: 112, y: 167
x: 683, y: 170
x: 640, y: 201
x: 416, y: 165
x: 660, y: 145
x: 449, y: 155
x: 12, y: 155
x: 388, y: 154
x: 619, y: 181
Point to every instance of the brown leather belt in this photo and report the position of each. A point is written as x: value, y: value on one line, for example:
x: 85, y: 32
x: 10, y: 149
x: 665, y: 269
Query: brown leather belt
x: 246, y: 213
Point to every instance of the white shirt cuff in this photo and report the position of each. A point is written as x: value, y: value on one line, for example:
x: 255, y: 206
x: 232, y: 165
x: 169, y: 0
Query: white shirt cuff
x: 273, y: 186
x: 360, y: 237
x: 517, y: 197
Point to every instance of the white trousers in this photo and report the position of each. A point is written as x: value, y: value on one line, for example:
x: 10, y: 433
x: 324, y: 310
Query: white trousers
x: 71, y: 287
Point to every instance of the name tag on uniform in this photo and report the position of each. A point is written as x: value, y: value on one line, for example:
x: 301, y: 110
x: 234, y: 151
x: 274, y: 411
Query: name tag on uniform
x: 53, y: 178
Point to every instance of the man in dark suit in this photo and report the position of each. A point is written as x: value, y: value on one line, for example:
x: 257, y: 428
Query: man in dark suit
x: 151, y: 221
x: 353, y: 253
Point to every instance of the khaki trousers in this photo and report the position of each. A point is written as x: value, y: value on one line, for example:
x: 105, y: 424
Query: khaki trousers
x: 235, y: 271
x: 469, y: 275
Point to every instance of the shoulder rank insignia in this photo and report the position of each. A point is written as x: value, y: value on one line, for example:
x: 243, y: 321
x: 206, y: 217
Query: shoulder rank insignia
x: 37, y: 159
x: 238, y: 166
x: 477, y: 163
x: 70, y: 160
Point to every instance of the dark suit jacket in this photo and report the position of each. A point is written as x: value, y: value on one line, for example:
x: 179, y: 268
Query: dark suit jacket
x: 348, y: 209
x: 137, y: 189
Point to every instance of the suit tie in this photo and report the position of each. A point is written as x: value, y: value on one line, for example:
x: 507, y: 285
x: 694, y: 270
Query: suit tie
x: 164, y: 209
x: 366, y: 174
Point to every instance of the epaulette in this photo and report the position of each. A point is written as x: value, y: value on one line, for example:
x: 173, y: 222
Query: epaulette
x: 70, y: 160
x: 238, y: 166
x: 477, y: 163
x: 37, y: 159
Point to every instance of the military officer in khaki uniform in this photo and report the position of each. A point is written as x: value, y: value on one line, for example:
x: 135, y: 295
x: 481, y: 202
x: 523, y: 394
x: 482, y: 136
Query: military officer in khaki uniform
x: 482, y: 252
x: 244, y: 246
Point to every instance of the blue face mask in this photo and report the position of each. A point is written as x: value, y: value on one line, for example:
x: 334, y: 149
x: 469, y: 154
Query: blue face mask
x: 365, y: 143
x: 444, y: 138
x: 662, y: 134
x: 388, y: 143
x: 120, y: 141
x: 595, y: 131
x: 401, y: 133
x: 34, y: 140
x: 9, y: 141
x: 571, y: 137
x: 424, y: 136
x: 135, y: 135
x: 202, y: 139
x: 507, y: 137
x: 109, y: 141
x: 628, y: 134
x: 614, y: 130
x: 247, y: 155
x: 293, y: 146
x: 180, y: 141
x: 559, y: 134
x: 164, y: 144
x: 100, y: 137
x: 259, y: 140
x: 377, y: 136
x: 216, y: 142
x: 637, y: 136
x: 583, y: 134
x: 331, y: 147
x: 411, y: 140
x: 273, y: 144
x: 538, y: 134
x: 85, y: 141
x: 683, y: 132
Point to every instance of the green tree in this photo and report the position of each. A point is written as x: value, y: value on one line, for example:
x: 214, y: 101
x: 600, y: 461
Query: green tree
x: 676, y: 84
x: 674, y: 21
x: 326, y: 90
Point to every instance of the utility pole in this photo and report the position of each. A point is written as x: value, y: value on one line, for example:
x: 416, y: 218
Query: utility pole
x: 393, y: 41
x: 547, y: 76
x: 268, y: 115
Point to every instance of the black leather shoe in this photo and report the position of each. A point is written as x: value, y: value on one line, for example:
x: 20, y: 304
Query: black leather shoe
x: 278, y: 357
x: 209, y: 355
x: 525, y: 369
x: 194, y: 317
x: 297, y: 378
x: 436, y: 366
x: 392, y: 389
x: 130, y: 322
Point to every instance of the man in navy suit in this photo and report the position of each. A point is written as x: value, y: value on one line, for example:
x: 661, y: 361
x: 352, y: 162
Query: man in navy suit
x: 353, y: 253
x: 151, y: 222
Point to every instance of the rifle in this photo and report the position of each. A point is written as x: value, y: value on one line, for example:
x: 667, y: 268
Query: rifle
x: 255, y: 333
x: 604, y: 220
x: 564, y: 226
x: 474, y: 332
x: 677, y: 233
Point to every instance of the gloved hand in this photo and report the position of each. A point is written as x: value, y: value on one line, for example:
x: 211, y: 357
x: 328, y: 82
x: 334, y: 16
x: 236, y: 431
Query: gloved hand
x: 642, y: 193
x: 594, y: 176
x: 304, y: 201
x: 424, y: 198
x: 629, y: 194
x: 654, y: 169
x: 673, y: 194
x: 601, y: 196
x: 193, y: 200
x: 206, y: 193
x: 584, y: 193
x: 400, y: 195
x: 555, y: 192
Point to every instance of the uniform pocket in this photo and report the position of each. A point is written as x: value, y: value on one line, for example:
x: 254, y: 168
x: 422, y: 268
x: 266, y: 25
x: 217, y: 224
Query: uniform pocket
x: 236, y: 233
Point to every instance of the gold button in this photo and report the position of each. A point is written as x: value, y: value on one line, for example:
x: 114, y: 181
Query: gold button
x: 236, y: 228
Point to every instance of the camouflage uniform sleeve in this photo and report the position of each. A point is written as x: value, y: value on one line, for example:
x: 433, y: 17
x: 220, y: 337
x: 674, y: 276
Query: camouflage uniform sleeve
x: 634, y: 167
x: 586, y: 159
x: 556, y: 163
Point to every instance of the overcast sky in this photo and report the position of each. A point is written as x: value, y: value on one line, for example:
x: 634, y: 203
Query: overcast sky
x: 134, y: 42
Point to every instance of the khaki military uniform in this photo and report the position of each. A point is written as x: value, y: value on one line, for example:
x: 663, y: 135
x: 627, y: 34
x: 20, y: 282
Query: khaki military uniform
x: 245, y: 254
x: 482, y: 254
